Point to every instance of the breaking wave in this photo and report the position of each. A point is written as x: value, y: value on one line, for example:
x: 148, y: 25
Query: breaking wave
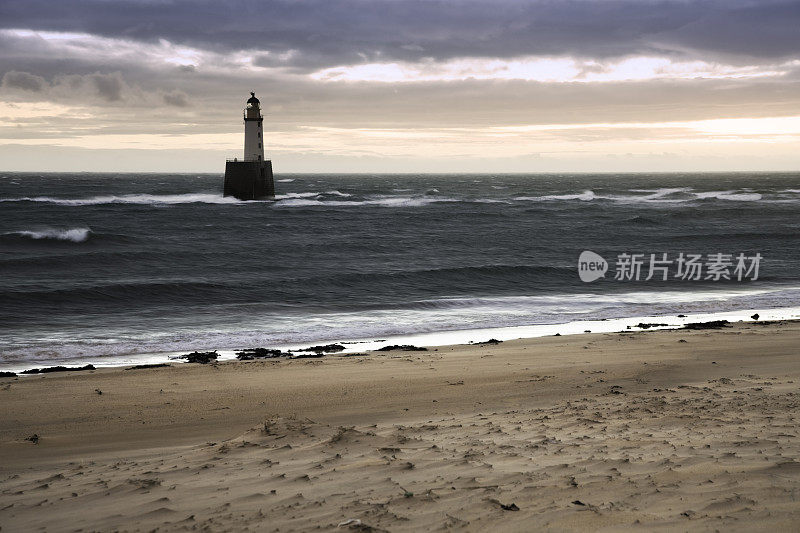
x: 729, y: 195
x: 379, y: 201
x: 584, y: 196
x: 335, y: 198
x: 72, y: 235
x: 144, y: 199
x: 655, y: 196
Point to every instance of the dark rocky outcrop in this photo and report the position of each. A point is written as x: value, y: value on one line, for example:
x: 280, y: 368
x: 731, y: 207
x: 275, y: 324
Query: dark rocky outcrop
x: 307, y: 355
x: 149, y: 365
x: 7, y: 374
x: 260, y: 353
x: 713, y: 324
x: 402, y: 347
x: 646, y: 325
x: 200, y: 357
x: 326, y: 348
x: 50, y: 369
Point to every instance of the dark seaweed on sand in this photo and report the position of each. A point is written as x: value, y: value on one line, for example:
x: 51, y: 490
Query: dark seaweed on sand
x: 50, y: 369
x: 200, y: 357
x: 402, y: 347
x: 713, y: 324
x: 260, y: 353
x: 150, y: 365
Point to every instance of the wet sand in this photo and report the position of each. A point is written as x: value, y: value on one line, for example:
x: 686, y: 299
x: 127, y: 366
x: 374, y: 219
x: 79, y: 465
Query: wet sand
x: 595, y: 432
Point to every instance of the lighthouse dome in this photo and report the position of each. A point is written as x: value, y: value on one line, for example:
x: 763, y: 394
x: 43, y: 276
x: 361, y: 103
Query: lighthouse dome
x: 253, y: 101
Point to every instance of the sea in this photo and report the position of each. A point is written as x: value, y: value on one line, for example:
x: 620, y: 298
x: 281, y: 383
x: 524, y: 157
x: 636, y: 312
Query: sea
x: 113, y: 269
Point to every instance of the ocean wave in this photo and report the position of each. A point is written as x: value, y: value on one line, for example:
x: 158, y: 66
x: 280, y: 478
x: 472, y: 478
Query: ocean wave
x: 143, y: 199
x: 380, y: 201
x: 76, y: 235
x: 336, y: 198
x: 441, y: 316
x: 188, y: 291
x: 450, y: 278
x: 154, y: 291
x: 655, y: 196
x: 638, y: 220
x: 729, y: 195
x: 584, y: 196
x: 285, y: 180
x: 295, y: 195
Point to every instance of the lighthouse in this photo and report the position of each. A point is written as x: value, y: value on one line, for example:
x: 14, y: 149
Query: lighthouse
x: 250, y: 178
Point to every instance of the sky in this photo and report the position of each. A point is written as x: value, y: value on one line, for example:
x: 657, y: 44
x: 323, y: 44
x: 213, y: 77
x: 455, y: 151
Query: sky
x: 401, y: 85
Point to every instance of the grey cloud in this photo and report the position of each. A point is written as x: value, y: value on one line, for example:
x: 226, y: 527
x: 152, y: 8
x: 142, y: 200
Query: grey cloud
x: 23, y: 80
x: 109, y: 86
x: 761, y: 29
x: 325, y: 33
x: 176, y: 99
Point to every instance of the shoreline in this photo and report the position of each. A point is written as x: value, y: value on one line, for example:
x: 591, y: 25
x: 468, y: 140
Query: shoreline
x: 629, y: 424
x: 437, y: 338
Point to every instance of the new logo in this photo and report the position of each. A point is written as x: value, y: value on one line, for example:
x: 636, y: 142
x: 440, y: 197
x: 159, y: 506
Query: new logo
x: 591, y: 266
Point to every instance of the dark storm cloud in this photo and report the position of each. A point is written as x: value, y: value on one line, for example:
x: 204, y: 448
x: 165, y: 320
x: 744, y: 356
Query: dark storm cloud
x: 318, y: 33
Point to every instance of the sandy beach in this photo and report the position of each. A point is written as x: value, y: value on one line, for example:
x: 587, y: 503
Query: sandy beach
x: 651, y: 430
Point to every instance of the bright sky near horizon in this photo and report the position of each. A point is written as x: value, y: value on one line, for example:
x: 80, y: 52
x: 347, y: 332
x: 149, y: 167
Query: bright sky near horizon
x: 402, y: 85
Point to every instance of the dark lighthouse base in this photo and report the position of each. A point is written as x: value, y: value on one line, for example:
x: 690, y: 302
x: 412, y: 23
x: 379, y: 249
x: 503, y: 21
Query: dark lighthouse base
x: 249, y: 180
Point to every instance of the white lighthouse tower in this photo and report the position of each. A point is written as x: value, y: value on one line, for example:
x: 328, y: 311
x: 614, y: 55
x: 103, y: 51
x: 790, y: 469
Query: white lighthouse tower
x: 253, y: 130
x: 250, y: 179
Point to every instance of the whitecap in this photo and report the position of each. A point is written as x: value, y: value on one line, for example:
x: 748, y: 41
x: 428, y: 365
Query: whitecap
x: 729, y: 195
x: 585, y: 196
x: 145, y: 199
x: 73, y: 235
x: 296, y: 195
x: 380, y: 201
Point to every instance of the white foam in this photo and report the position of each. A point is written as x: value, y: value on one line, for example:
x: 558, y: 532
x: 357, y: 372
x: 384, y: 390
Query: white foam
x: 730, y: 195
x: 584, y: 196
x: 132, y: 353
x: 573, y: 328
x: 289, y: 195
x: 380, y: 201
x: 74, y: 234
x: 663, y: 195
x: 145, y: 199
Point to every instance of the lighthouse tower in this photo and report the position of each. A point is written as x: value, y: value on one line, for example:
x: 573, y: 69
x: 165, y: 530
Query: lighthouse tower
x: 253, y: 122
x: 251, y: 178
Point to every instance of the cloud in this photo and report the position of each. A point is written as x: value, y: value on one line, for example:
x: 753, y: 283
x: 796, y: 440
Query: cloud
x: 319, y: 33
x: 176, y: 99
x: 23, y: 80
x: 108, y: 86
x: 548, y: 70
x: 402, y: 67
